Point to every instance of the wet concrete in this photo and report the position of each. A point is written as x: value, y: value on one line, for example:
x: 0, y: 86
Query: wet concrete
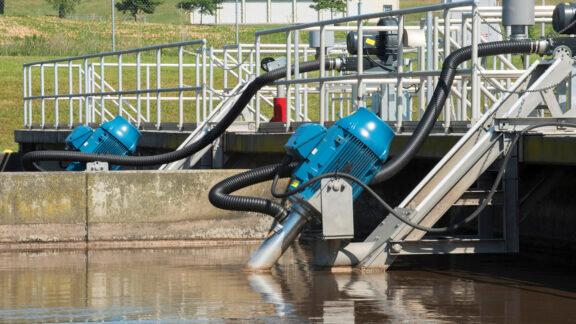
x: 207, y: 284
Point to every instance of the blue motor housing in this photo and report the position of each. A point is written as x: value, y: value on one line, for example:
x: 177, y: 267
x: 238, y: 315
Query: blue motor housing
x: 357, y: 145
x: 116, y: 137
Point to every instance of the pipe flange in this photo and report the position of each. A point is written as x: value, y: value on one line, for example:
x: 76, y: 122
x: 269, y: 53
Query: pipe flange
x: 562, y: 51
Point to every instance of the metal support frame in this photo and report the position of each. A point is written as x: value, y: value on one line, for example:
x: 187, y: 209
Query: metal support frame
x: 486, y: 142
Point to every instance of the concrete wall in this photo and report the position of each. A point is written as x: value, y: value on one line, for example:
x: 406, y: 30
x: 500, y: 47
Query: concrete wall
x: 122, y: 206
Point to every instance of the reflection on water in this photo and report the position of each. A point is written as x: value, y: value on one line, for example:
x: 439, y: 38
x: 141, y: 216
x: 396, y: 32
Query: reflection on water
x: 207, y: 284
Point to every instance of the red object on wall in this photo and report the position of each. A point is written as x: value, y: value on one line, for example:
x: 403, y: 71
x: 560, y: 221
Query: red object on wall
x: 279, y: 110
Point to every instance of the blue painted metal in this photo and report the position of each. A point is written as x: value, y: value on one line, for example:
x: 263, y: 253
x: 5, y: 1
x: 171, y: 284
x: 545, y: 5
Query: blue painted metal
x: 116, y: 137
x: 357, y: 145
x: 304, y: 140
x: 77, y: 137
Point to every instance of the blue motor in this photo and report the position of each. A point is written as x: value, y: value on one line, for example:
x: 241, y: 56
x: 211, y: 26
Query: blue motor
x: 116, y: 137
x: 357, y: 145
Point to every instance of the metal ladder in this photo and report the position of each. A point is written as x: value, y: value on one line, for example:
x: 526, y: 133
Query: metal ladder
x: 488, y: 140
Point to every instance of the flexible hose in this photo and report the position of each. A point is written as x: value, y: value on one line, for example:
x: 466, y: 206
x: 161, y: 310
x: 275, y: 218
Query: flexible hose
x: 436, y: 104
x: 207, y: 139
x: 220, y: 196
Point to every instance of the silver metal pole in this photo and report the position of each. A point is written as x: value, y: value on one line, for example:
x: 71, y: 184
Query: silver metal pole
x: 113, y: 27
x: 236, y: 10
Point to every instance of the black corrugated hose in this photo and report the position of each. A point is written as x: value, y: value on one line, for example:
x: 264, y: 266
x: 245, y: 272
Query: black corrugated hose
x: 29, y: 158
x: 220, y: 198
x: 434, y: 108
x: 219, y: 194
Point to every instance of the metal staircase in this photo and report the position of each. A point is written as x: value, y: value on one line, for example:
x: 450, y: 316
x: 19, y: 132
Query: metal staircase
x: 215, y: 116
x: 491, y: 138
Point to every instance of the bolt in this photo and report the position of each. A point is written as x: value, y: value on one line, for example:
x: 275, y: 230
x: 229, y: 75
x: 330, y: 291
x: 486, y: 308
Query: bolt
x: 396, y: 247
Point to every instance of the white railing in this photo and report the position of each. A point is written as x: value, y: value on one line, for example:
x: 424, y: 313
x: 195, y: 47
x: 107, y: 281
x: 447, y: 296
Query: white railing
x: 402, y: 95
x: 158, y: 91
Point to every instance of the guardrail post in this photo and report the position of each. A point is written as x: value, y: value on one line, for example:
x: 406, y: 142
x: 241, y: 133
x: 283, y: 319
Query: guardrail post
x: 87, y: 113
x: 158, y: 86
x: 70, y: 100
x: 56, y: 99
x: 120, y: 84
x: 447, y: 39
x: 475, y: 98
x: 288, y: 77
x: 399, y: 83
x: 42, y: 101
x: 138, y: 88
x: 211, y: 79
x: 322, y: 104
x: 204, y: 81
x: 25, y: 94
x: 180, y: 86
x: 297, y: 108
x: 102, y: 89
x: 257, y: 73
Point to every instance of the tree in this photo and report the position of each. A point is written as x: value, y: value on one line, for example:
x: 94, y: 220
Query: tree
x: 332, y: 5
x: 204, y: 7
x: 1, y: 7
x: 138, y: 7
x: 64, y: 7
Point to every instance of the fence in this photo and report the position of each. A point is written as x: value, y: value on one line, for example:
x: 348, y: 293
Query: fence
x: 157, y: 93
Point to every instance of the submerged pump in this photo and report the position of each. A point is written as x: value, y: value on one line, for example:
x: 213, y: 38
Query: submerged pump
x: 356, y: 145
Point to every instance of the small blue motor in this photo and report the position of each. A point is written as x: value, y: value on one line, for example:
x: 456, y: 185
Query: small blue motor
x: 357, y: 145
x: 116, y: 137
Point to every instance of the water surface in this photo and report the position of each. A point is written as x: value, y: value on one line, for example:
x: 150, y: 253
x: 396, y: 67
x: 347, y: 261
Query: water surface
x: 208, y: 285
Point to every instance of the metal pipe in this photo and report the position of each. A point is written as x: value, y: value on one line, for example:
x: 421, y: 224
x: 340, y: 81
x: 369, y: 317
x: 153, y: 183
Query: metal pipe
x: 158, y: 85
x: 277, y: 241
x: 56, y: 112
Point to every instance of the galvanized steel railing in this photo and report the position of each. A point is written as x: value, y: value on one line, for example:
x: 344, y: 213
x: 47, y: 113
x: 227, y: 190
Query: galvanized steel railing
x: 159, y: 93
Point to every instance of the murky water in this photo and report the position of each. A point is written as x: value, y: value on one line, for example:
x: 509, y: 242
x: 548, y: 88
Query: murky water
x: 207, y: 285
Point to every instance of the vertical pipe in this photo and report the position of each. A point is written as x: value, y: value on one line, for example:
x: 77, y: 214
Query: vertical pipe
x: 198, y: 103
x: 256, y: 74
x: 447, y: 38
x: 399, y: 85
x: 429, y: 55
x: 56, y: 99
x: 70, y: 100
x: 204, y: 80
x: 475, y: 100
x: 305, y: 95
x: 288, y: 77
x: 297, y: 108
x: 322, y: 104
x: 25, y: 94
x: 42, y: 101
x: 239, y: 54
x: 158, y: 86
x: 102, y: 89
x: 87, y: 104
x: 211, y: 80
x: 225, y: 60
x: 80, y: 99
x: 138, y: 88
x: 180, y: 86
x: 148, y: 93
x: 359, y: 100
x: 421, y: 94
x: 120, y: 84
x: 113, y: 27
x: 30, y: 94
